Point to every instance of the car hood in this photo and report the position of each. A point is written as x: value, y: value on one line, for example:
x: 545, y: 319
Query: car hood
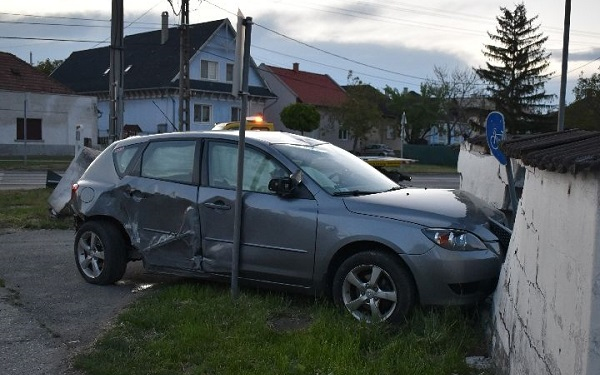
x: 438, y: 208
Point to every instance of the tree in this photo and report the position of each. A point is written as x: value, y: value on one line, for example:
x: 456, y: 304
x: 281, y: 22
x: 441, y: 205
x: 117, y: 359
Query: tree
x: 587, y: 87
x: 47, y: 66
x: 360, y: 113
x: 515, y: 73
x: 585, y: 111
x: 422, y: 111
x: 301, y: 117
x: 455, y: 91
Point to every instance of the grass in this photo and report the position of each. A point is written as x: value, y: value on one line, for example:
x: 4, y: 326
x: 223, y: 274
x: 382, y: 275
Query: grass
x: 54, y: 163
x: 427, y: 168
x: 28, y: 209
x: 195, y: 328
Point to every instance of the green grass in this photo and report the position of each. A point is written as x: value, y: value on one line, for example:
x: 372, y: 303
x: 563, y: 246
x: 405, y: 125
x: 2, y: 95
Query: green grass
x: 427, y: 168
x: 54, y: 163
x: 28, y: 209
x: 196, y: 328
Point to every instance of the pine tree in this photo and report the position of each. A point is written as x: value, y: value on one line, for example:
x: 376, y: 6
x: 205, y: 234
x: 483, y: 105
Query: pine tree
x: 515, y: 70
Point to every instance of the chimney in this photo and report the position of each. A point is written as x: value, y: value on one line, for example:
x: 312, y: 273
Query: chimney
x: 296, y: 67
x: 164, y: 32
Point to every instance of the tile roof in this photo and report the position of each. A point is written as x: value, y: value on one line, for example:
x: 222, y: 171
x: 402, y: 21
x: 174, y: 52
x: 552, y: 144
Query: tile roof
x: 17, y: 75
x: 566, y: 151
x: 153, y: 65
x: 311, y: 88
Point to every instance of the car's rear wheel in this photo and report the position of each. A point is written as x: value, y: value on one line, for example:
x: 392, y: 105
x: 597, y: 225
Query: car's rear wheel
x: 100, y: 252
x: 373, y: 286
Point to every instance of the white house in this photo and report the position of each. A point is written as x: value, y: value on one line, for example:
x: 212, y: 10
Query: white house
x: 39, y: 115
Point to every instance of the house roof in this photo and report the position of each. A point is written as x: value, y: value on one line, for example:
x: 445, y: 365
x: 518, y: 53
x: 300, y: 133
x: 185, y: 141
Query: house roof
x: 17, y: 75
x: 566, y: 151
x: 310, y: 88
x: 148, y: 63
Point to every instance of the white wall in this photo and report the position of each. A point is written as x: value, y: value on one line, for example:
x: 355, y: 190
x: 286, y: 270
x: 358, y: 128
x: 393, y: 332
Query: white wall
x: 547, y: 304
x: 482, y: 175
x: 60, y: 115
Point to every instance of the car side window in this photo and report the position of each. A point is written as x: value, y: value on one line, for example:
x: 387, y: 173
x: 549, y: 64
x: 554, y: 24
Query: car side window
x: 259, y: 168
x: 169, y: 160
x: 123, y: 156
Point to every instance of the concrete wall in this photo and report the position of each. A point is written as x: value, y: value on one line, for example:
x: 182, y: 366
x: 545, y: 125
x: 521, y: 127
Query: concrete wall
x: 60, y: 115
x: 482, y: 175
x: 547, y: 304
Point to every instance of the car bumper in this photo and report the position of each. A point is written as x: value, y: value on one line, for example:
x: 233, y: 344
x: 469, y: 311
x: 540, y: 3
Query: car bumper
x: 445, y: 277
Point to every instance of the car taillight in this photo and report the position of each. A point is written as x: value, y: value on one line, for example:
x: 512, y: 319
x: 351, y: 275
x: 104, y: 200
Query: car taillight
x: 74, y: 188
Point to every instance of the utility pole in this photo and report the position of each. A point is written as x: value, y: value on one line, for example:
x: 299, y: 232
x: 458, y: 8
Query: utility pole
x: 115, y: 84
x: 184, y: 67
x: 565, y: 60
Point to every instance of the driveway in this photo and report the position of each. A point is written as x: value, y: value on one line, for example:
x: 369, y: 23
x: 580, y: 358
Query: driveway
x: 47, y: 312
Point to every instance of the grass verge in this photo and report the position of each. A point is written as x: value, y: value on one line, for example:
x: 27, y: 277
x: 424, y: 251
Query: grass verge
x: 28, y: 209
x: 195, y: 328
x: 54, y: 163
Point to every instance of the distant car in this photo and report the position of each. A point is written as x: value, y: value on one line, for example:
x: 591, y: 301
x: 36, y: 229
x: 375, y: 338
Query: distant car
x: 377, y: 150
x: 316, y: 219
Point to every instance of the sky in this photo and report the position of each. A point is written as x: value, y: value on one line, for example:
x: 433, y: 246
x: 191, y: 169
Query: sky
x: 382, y: 42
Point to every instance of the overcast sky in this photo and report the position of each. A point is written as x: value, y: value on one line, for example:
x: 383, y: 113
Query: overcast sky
x: 383, y: 42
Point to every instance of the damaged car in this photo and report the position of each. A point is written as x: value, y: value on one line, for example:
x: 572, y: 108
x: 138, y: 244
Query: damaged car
x: 315, y: 219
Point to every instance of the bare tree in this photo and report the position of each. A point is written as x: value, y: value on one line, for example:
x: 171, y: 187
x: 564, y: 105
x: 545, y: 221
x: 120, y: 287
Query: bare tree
x: 457, y: 91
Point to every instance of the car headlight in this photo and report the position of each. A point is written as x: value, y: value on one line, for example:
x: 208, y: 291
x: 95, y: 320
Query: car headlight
x: 454, y: 239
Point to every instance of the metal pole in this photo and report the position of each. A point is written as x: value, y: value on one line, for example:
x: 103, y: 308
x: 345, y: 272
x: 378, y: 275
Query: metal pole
x: 25, y: 128
x: 402, y: 126
x: 115, y: 85
x: 237, y: 225
x: 184, y: 68
x: 511, y: 190
x: 565, y: 61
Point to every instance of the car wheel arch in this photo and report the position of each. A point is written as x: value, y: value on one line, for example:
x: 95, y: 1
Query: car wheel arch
x: 117, y: 224
x: 357, y: 247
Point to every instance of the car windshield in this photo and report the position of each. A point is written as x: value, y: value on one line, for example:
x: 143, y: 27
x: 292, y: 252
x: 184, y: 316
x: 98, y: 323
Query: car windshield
x: 337, y: 171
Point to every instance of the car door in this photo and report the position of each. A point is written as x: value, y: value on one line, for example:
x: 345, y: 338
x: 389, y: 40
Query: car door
x: 278, y: 234
x: 161, y: 205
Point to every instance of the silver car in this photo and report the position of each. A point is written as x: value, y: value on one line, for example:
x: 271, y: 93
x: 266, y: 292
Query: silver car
x: 315, y: 219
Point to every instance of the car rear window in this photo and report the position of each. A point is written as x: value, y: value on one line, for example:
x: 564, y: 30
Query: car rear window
x: 123, y: 156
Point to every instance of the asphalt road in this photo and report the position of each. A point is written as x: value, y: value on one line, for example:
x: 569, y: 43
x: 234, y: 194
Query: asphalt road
x: 47, y: 312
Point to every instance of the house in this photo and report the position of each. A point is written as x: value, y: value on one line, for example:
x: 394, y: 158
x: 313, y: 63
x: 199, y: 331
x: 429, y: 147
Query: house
x: 151, y: 79
x: 39, y: 115
x: 296, y: 86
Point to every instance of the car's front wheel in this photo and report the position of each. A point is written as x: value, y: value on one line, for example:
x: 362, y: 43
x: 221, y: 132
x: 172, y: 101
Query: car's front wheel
x: 373, y: 286
x: 100, y: 252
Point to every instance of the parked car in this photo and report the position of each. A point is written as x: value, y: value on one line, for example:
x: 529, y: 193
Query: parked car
x: 316, y: 219
x: 377, y: 150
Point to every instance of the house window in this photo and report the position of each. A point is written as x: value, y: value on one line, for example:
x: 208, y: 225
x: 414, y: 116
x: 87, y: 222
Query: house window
x: 208, y: 70
x: 34, y: 129
x: 202, y: 113
x: 236, y: 113
x: 229, y: 73
x: 343, y: 134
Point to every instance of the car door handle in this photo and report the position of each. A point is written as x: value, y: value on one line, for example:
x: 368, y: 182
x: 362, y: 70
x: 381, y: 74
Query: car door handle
x: 218, y: 205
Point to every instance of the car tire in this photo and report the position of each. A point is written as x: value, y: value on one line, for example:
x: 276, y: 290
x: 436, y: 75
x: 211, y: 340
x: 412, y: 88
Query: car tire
x: 374, y: 286
x: 100, y: 252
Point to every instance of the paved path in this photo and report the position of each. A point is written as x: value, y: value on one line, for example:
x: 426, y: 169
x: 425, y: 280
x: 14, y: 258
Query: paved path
x: 48, y: 312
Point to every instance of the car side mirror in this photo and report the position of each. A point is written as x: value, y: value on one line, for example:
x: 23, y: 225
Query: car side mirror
x: 285, y: 186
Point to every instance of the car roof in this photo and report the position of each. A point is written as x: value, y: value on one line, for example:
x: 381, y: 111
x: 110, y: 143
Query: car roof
x: 271, y: 137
